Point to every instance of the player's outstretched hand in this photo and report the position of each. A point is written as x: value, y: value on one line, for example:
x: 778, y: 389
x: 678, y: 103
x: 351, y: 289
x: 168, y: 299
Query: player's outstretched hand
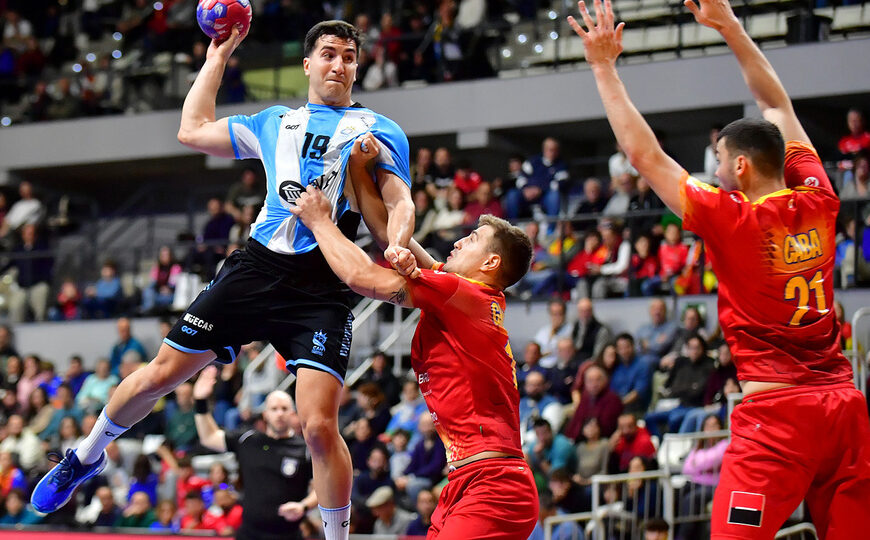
x: 365, y: 148
x: 603, y: 42
x: 403, y: 261
x: 204, y: 384
x: 291, y: 511
x: 224, y: 49
x: 717, y: 14
x: 312, y: 207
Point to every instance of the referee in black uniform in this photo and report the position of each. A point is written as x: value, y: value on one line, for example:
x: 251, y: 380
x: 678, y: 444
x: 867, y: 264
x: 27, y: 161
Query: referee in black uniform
x: 275, y: 465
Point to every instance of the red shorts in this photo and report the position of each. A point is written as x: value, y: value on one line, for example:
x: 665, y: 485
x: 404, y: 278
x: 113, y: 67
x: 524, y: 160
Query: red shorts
x: 487, y: 500
x: 792, y: 444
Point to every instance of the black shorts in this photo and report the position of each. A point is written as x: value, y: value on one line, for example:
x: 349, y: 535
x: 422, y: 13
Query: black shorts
x: 304, y: 312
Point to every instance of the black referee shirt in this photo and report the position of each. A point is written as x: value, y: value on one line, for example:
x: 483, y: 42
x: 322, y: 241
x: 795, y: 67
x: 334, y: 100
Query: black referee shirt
x: 274, y: 471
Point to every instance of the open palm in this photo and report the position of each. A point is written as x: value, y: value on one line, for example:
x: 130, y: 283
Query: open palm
x: 603, y: 42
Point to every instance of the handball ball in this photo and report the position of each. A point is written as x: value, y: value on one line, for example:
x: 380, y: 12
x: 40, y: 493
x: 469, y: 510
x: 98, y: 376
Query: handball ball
x: 218, y: 17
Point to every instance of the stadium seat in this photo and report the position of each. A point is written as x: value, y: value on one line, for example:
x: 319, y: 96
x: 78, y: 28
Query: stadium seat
x: 766, y: 26
x: 632, y: 40
x: 846, y: 17
x: 660, y: 38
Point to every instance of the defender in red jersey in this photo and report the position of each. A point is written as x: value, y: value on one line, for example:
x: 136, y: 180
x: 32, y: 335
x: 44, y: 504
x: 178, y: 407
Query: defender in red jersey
x: 802, y: 431
x: 463, y: 362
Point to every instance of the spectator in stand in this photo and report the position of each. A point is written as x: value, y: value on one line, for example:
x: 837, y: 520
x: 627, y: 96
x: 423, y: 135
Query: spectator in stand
x: 630, y: 441
x: 641, y: 496
x: 482, y: 202
x: 186, y: 480
x: 138, y: 514
x: 407, y: 412
x: 227, y: 394
x: 241, y: 230
x: 425, y: 508
x: 23, y: 442
x: 390, y: 38
x: 109, y: 513
x: 198, y: 518
x: 702, y: 466
x: 673, y: 255
x: 218, y: 479
x: 12, y: 372
x: 400, y: 456
x: 593, y: 453
x: 619, y: 166
x: 103, y: 298
x: 373, y: 406
x: 538, y: 403
x: 645, y: 200
x: 362, y: 442
x: 502, y: 185
x: 594, y: 199
x: 859, y: 187
x: 623, y: 191
x: 164, y: 519
x: 52, y: 380
x: 693, y: 325
x: 597, y: 401
x: 607, y: 361
x: 215, y: 232
x: 722, y: 381
x: 381, y: 375
x: 549, y: 335
x: 448, y: 221
x: 7, y: 349
x: 391, y: 520
x: 531, y: 364
x: 567, y: 530
x: 583, y: 268
x: 65, y: 105
x: 32, y: 376
x: 143, y: 480
x: 589, y: 334
x: 157, y: 296
x: 374, y: 475
x: 38, y: 103
x: 18, y: 512
x: 67, y: 304
x: 632, y: 377
x: 65, y: 406
x: 687, y: 382
x: 248, y: 191
x: 549, y: 452
x: 644, y: 267
x: 8, y: 404
x: 466, y: 179
x: 428, y: 459
x: 180, y: 425
x: 27, y: 210
x: 443, y: 43
x: 126, y: 342
x: 95, y: 390
x: 540, y: 183
x: 16, y: 31
x: 226, y: 501
x: 569, y: 496
x: 562, y: 374
x: 424, y: 217
x: 34, y: 264
x: 711, y: 161
x: 382, y: 72
x: 421, y: 172
x: 40, y: 411
x: 11, y: 477
x: 845, y: 326
x: 656, y: 338
x: 441, y: 175
x: 613, y: 274
x: 858, y: 138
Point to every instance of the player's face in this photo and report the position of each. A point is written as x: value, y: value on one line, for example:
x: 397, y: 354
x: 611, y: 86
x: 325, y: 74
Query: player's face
x: 726, y: 173
x: 471, y: 252
x: 331, y: 70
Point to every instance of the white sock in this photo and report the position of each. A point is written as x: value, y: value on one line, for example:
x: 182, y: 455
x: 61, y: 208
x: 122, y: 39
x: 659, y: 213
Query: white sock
x: 104, y: 432
x: 336, y: 522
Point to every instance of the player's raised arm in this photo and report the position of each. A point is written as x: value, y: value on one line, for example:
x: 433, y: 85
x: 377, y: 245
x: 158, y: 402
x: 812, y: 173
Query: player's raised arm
x: 347, y: 260
x: 198, y: 129
x: 603, y: 44
x: 762, y: 80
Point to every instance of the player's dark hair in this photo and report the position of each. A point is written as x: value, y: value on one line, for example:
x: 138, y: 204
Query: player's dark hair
x: 542, y: 422
x: 339, y: 29
x: 624, y: 335
x: 758, y: 140
x: 512, y: 245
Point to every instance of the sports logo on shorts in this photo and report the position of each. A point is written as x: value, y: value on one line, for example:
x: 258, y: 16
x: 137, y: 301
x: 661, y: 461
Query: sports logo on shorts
x: 319, y: 341
x: 289, y: 466
x: 745, y: 508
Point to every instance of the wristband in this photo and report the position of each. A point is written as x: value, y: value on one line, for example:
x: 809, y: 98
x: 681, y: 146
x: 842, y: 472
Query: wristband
x: 200, y: 406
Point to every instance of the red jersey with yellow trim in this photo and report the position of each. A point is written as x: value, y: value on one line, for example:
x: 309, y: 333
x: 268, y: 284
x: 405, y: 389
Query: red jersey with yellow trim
x: 464, y: 364
x: 775, y: 261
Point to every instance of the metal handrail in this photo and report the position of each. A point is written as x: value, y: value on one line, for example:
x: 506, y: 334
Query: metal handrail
x: 550, y: 522
x: 799, y: 528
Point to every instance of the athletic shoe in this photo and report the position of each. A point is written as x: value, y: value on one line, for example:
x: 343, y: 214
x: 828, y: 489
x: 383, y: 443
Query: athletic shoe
x: 57, y: 487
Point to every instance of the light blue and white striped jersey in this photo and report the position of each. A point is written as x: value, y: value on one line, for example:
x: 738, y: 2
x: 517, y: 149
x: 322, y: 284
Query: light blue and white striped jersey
x: 309, y: 145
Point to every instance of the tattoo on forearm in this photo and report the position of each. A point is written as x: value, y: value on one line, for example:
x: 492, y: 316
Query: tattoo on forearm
x: 398, y: 297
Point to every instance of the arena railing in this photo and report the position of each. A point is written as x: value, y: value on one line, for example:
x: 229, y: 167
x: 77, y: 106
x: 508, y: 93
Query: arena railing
x: 620, y: 506
x: 859, y: 356
x: 581, y: 519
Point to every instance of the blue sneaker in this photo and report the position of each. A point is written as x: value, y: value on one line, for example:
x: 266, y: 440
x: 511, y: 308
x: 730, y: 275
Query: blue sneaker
x: 57, y: 487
